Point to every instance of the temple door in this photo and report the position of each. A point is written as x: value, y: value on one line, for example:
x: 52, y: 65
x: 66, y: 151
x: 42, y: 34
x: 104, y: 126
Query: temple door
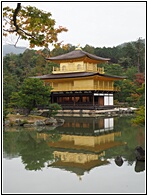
x: 101, y: 101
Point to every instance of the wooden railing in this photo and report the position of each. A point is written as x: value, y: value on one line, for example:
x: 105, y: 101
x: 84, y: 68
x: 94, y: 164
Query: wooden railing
x: 57, y: 70
x: 85, y: 88
x: 101, y: 70
x: 67, y: 70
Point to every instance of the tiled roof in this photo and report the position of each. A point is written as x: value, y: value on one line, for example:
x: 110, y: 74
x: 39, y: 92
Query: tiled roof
x: 76, y: 75
x: 76, y: 54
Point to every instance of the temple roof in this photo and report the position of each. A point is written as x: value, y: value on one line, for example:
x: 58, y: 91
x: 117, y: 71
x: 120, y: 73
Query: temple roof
x: 76, y: 75
x: 78, y: 168
x: 77, y: 54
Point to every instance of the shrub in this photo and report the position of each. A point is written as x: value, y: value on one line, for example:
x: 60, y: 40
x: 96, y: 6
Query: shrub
x: 140, y: 116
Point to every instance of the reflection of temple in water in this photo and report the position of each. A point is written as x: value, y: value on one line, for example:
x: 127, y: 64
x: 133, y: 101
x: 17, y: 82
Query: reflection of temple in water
x: 87, y: 126
x: 83, y: 144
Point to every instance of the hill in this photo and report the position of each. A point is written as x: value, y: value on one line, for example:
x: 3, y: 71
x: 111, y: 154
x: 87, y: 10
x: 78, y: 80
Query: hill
x: 125, y: 43
x: 7, y: 49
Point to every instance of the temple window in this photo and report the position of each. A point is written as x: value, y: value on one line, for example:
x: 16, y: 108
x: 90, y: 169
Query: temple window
x: 105, y: 83
x: 80, y: 158
x: 47, y: 83
x: 110, y: 84
x: 90, y: 67
x: 101, y: 83
x: 96, y: 84
x: 55, y: 84
x: 78, y: 67
x: 63, y: 68
x: 70, y: 65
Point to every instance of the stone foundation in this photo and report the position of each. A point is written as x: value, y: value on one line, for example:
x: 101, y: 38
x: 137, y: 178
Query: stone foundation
x: 110, y: 112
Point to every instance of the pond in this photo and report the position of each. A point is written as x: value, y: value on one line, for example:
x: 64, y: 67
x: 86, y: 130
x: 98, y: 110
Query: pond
x: 78, y: 157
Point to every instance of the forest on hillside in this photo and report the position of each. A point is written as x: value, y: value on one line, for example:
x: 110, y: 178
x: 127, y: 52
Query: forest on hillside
x: 125, y: 60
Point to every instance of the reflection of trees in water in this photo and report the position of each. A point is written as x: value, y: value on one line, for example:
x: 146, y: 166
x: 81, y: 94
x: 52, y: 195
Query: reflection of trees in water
x: 10, y: 146
x: 34, y: 152
x: 129, y: 135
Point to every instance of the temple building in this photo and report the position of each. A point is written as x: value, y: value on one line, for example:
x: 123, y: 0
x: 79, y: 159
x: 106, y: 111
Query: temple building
x: 78, y: 83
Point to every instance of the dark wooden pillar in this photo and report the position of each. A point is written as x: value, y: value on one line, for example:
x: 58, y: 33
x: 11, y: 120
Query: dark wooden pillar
x: 93, y: 101
x: 52, y: 100
x: 74, y: 99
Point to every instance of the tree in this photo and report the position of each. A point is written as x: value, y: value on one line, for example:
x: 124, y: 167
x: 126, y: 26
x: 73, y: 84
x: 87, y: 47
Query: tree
x: 138, y: 94
x: 62, y: 50
x: 113, y: 69
x: 10, y: 84
x: 127, y: 87
x: 132, y: 90
x: 32, y: 24
x: 125, y: 62
x: 131, y: 73
x: 139, y: 47
x: 5, y: 111
x: 31, y: 94
x: 89, y: 49
x: 140, y: 116
x: 53, y: 109
x: 135, y: 52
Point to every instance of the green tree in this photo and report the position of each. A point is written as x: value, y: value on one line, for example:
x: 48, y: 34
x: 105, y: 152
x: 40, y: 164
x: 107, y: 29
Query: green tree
x: 131, y: 73
x: 127, y: 88
x: 141, y: 92
x: 113, y: 53
x: 135, y: 52
x: 125, y: 62
x: 89, y: 49
x: 62, y: 50
x: 10, y: 84
x: 140, y: 116
x: 140, y: 54
x: 113, y: 69
x: 132, y: 90
x: 31, y: 94
x: 32, y: 24
x: 53, y: 109
x: 5, y: 111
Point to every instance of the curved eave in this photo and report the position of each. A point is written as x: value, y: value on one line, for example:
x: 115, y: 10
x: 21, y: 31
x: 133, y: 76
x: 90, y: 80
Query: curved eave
x: 78, y: 75
x: 114, y: 77
x: 77, y: 55
x: 85, y: 59
x: 65, y: 60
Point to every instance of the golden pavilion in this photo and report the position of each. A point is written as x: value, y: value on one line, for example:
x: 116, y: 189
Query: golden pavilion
x: 78, y: 83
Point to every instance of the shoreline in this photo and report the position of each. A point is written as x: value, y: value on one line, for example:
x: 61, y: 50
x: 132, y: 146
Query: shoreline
x: 97, y: 113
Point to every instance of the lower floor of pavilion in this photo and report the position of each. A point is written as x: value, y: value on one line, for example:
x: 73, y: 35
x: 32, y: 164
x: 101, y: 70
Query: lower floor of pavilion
x: 83, y: 99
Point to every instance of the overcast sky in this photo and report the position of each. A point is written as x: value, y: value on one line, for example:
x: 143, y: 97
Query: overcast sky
x: 98, y: 24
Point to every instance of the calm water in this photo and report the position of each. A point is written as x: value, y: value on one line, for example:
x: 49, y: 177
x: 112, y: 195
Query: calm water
x: 78, y: 157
